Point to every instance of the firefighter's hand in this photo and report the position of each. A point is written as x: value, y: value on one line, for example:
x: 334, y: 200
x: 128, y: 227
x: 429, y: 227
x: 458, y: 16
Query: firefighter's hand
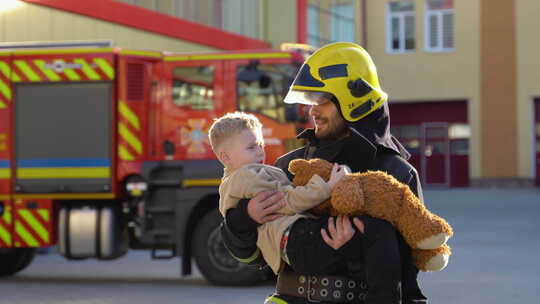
x: 263, y: 206
x: 340, y: 229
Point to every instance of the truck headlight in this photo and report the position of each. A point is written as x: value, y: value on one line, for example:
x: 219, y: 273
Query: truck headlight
x: 136, y: 189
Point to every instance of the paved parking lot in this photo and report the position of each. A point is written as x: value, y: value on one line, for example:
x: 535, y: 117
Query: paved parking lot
x: 495, y: 260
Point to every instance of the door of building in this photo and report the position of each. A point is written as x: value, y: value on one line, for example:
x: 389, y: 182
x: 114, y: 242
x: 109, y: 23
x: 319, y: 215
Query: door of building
x: 435, y: 159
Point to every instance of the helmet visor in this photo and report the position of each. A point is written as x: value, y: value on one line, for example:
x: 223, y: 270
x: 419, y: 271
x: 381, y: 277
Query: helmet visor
x: 307, y: 97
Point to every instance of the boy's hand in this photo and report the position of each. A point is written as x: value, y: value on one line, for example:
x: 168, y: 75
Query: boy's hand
x: 340, y: 232
x: 262, y: 207
x: 337, y: 173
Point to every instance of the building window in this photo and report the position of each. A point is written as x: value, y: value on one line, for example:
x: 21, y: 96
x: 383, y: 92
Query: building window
x: 342, y: 22
x: 439, y: 25
x: 330, y: 21
x: 241, y: 17
x: 401, y: 27
x: 313, y: 26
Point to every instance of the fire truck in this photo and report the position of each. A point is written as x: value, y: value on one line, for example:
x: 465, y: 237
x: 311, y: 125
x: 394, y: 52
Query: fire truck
x: 103, y: 150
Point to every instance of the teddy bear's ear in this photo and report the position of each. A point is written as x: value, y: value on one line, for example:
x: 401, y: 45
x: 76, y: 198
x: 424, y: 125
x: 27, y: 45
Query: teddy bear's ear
x: 297, y: 165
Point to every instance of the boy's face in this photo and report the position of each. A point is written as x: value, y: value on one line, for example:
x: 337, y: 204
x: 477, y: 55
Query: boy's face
x: 242, y: 149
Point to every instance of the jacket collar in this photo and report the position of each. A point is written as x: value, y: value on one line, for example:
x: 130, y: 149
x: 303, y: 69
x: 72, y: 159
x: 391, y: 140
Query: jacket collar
x: 354, y: 150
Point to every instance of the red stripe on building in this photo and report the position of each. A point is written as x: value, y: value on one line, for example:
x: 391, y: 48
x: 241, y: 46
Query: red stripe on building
x: 301, y: 19
x: 147, y: 20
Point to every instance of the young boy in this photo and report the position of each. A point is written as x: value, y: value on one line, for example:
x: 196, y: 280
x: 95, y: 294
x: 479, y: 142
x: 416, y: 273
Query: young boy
x: 237, y: 141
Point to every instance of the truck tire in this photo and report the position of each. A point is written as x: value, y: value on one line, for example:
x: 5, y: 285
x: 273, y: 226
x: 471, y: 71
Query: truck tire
x: 213, y: 258
x: 15, y: 260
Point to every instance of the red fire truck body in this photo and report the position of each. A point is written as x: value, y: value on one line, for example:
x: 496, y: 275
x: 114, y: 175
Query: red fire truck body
x: 104, y: 150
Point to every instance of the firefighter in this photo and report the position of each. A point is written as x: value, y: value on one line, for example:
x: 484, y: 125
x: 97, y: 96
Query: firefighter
x: 350, y: 112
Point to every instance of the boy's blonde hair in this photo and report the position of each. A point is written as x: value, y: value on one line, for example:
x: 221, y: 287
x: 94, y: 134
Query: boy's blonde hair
x: 231, y: 124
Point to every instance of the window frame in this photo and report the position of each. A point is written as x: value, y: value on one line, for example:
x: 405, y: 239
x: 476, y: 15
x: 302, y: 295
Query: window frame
x: 389, y: 30
x: 439, y: 14
x: 338, y: 18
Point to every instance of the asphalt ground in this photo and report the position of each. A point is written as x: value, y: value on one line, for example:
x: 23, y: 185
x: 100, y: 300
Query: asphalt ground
x: 495, y: 260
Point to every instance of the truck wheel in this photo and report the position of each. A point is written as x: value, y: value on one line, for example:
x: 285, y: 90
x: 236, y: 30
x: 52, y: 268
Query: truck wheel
x: 15, y: 260
x: 214, y: 260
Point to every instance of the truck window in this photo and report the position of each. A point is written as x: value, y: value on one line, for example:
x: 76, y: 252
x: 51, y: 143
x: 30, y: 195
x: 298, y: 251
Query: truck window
x: 262, y: 87
x: 193, y: 87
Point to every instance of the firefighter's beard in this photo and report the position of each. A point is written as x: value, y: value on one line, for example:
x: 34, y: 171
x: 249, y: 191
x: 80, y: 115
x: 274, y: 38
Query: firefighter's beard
x: 332, y: 127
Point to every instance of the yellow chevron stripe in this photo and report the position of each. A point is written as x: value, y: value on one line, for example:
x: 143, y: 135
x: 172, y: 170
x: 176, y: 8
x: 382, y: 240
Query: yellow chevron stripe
x: 228, y: 56
x: 5, y: 236
x: 25, y: 68
x: 25, y: 235
x: 6, y: 70
x: 35, y: 224
x: 70, y: 73
x: 129, y: 115
x: 15, y: 77
x: 105, y: 67
x: 48, y: 72
x: 132, y: 140
x: 124, y: 154
x: 72, y: 172
x: 2, y: 105
x: 7, y: 215
x: 87, y: 70
x: 5, y: 89
x: 44, y: 213
x: 5, y: 173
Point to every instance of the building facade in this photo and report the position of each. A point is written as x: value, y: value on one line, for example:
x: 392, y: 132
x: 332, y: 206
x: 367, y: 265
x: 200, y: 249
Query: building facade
x: 462, y: 78
x: 462, y: 75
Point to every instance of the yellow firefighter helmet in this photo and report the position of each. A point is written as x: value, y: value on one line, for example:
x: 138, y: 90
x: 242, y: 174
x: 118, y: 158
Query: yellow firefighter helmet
x: 344, y: 70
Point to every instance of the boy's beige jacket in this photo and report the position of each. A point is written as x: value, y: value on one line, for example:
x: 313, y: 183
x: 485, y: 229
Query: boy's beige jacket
x: 251, y: 179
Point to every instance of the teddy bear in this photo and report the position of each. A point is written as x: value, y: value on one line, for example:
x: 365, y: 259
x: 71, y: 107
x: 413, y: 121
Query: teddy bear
x: 380, y: 195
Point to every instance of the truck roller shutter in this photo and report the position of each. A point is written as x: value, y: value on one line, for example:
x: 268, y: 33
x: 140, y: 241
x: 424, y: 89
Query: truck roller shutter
x: 63, y: 137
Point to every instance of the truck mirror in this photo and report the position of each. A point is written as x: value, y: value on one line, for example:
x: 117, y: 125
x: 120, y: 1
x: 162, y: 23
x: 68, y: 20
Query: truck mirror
x: 252, y: 73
